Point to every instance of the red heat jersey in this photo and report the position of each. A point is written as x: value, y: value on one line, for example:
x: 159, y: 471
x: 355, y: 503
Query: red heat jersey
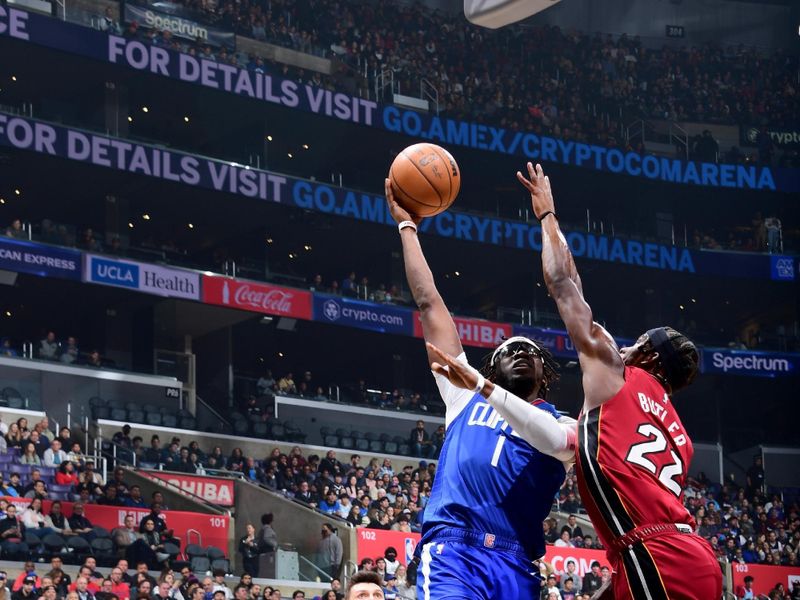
x: 632, y: 458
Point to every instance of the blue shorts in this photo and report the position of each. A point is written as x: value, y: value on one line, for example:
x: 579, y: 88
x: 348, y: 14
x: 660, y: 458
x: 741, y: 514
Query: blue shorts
x: 457, y: 567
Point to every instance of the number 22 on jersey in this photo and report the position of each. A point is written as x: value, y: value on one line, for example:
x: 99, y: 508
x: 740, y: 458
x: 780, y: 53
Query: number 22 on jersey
x: 646, y: 454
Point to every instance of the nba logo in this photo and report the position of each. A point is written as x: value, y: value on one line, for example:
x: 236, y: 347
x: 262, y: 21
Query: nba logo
x: 410, y: 546
x: 488, y: 540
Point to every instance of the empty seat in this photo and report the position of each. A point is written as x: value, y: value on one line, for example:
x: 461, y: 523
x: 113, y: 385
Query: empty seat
x: 384, y: 437
x: 347, y: 442
x: 200, y: 564
x: 61, y: 489
x: 362, y: 444
x: 404, y: 449
x: 15, y: 402
x: 187, y: 423
x: 152, y: 418
x: 169, y: 420
x: 137, y: 416
x: 342, y: 432
x: 370, y: 435
x: 221, y: 563
x: 101, y: 532
x: 214, y: 553
x: 53, y: 543
x: 172, y: 550
x: 101, y: 412
x: 240, y: 427
x: 260, y: 429
x: 193, y: 550
x: 294, y: 433
x: 330, y: 440
x: 390, y: 447
x: 103, y: 551
x: 323, y: 431
x: 133, y: 406
x: 376, y: 446
x: 119, y: 414
x: 277, y: 431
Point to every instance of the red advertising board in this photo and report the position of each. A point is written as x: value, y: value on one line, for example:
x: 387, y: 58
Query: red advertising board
x: 257, y: 297
x: 765, y: 577
x: 372, y: 543
x: 211, y: 489
x: 473, y: 332
x: 213, y: 528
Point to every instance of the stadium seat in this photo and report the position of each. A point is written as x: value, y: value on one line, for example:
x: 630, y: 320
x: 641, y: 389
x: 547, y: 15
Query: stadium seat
x: 221, y: 563
x: 101, y: 412
x: 187, y: 422
x: 6, y: 458
x: 214, y: 553
x: 35, y: 545
x: 376, y: 446
x: 330, y: 440
x: 294, y: 433
x: 172, y: 550
x: 53, y: 544
x: 404, y: 449
x: 240, y: 427
x: 79, y: 547
x: 342, y: 432
x: 193, y: 550
x: 101, y: 532
x: 390, y: 447
x: 15, y: 402
x: 362, y: 444
x: 260, y: 429
x: 200, y: 564
x: 356, y: 435
x: 347, y: 442
x: 278, y: 432
x: 325, y: 431
x: 153, y: 418
x: 370, y: 436
x: 137, y: 416
x: 119, y: 414
x: 103, y: 551
x: 168, y: 420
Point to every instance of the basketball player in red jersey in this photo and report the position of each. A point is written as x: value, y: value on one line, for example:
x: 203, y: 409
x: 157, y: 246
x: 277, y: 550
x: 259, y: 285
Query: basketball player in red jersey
x: 633, y: 453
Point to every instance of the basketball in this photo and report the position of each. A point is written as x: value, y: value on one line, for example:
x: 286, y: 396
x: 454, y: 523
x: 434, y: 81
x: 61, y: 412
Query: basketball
x: 425, y: 179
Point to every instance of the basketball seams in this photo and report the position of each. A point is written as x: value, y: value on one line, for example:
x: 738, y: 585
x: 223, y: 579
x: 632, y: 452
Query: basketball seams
x: 446, y: 162
x: 421, y: 172
x: 409, y: 197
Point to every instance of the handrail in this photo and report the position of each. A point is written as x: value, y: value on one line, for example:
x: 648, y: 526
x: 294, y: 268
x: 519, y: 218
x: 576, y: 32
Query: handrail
x: 212, y: 410
x: 327, y: 577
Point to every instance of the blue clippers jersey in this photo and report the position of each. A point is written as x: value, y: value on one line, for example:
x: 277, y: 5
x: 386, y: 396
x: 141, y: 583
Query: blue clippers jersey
x: 490, y: 480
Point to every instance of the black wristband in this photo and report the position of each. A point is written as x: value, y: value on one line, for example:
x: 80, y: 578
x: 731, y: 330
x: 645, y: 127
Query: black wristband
x: 549, y: 212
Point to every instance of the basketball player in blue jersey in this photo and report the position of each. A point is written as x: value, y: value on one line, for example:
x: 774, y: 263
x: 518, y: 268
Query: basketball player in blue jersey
x: 482, y: 526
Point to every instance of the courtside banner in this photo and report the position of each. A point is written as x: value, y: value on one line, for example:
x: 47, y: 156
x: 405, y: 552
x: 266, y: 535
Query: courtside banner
x: 69, y: 37
x: 213, y: 528
x: 473, y: 332
x: 39, y: 259
x: 211, y: 489
x: 372, y: 543
x: 559, y: 557
x: 765, y: 577
x: 143, y: 277
x: 198, y: 171
x: 361, y: 314
x: 749, y: 363
x: 257, y: 297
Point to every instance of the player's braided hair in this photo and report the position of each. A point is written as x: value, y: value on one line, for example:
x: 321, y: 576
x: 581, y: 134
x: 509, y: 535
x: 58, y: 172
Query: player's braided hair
x: 685, y: 363
x: 549, y: 370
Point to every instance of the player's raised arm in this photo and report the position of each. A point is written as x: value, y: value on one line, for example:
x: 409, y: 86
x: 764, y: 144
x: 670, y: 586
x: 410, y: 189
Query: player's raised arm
x: 600, y: 360
x: 437, y: 324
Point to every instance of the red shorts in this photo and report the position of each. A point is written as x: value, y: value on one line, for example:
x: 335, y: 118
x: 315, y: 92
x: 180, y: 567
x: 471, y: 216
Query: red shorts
x: 668, y: 567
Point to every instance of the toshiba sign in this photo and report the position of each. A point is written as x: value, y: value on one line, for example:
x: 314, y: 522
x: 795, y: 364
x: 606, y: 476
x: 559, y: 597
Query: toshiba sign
x: 210, y: 489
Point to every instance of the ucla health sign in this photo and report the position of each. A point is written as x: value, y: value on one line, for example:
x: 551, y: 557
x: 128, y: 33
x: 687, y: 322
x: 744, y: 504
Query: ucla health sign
x: 260, y: 86
x: 23, y: 256
x: 749, y: 363
x: 363, y: 315
x: 142, y: 277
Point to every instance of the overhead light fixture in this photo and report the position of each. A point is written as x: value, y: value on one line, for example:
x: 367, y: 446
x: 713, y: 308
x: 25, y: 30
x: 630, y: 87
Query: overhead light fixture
x: 130, y: 225
x: 305, y: 146
x: 146, y: 217
x: 8, y: 313
x: 2, y: 200
x: 13, y: 78
x: 280, y: 354
x: 269, y: 138
x: 17, y: 192
x: 145, y: 109
x: 185, y: 119
x: 694, y: 301
x: 190, y: 225
x: 269, y: 240
x: 307, y: 248
x: 130, y: 119
x: 680, y: 306
x: 289, y: 154
x: 458, y: 274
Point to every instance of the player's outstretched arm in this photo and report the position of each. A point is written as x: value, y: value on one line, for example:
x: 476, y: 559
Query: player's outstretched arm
x: 535, y: 426
x: 600, y: 360
x: 437, y: 324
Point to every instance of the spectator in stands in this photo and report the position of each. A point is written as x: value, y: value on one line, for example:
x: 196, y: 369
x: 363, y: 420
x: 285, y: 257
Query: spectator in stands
x: 330, y: 550
x: 40, y: 442
x: 14, y: 437
x: 126, y: 535
x: 153, y: 453
x: 34, y: 520
x: 65, y: 437
x: 252, y: 472
x: 82, y: 588
x: 593, y: 579
x: 15, y: 230
x: 79, y: 524
x: 75, y: 455
x: 37, y: 490
x: 572, y: 527
x: 236, y: 460
x: 305, y: 495
x: 70, y: 352
x: 349, y: 286
x: 219, y: 584
x: 266, y: 384
x: 420, y: 442
x: 134, y: 498
x: 331, y: 464
x: 65, y: 475
x: 56, y: 520
x: 570, y: 574
x: 29, y: 456
x: 12, y: 535
x: 111, y: 26
x: 286, y: 384
x: 6, y: 349
x: 111, y: 497
x: 15, y: 486
x: 571, y: 504
x: 27, y: 591
x: 249, y: 548
x: 219, y: 458
x: 49, y: 348
x: 54, y: 455
x: 330, y: 504
x: 6, y: 489
x: 437, y: 441
x: 90, y: 476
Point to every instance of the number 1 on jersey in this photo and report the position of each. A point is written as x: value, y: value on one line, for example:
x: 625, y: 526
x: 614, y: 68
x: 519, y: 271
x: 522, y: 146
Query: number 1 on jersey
x: 498, y: 449
x: 656, y: 443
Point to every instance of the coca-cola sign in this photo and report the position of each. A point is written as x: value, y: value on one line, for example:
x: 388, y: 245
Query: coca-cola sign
x: 257, y: 297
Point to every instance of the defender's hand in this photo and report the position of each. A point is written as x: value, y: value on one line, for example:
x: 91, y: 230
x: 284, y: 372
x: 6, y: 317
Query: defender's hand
x: 539, y: 187
x: 399, y: 214
x: 459, y: 374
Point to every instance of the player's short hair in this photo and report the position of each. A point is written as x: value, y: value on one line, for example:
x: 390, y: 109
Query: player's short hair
x: 364, y: 577
x: 549, y: 367
x: 681, y: 364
